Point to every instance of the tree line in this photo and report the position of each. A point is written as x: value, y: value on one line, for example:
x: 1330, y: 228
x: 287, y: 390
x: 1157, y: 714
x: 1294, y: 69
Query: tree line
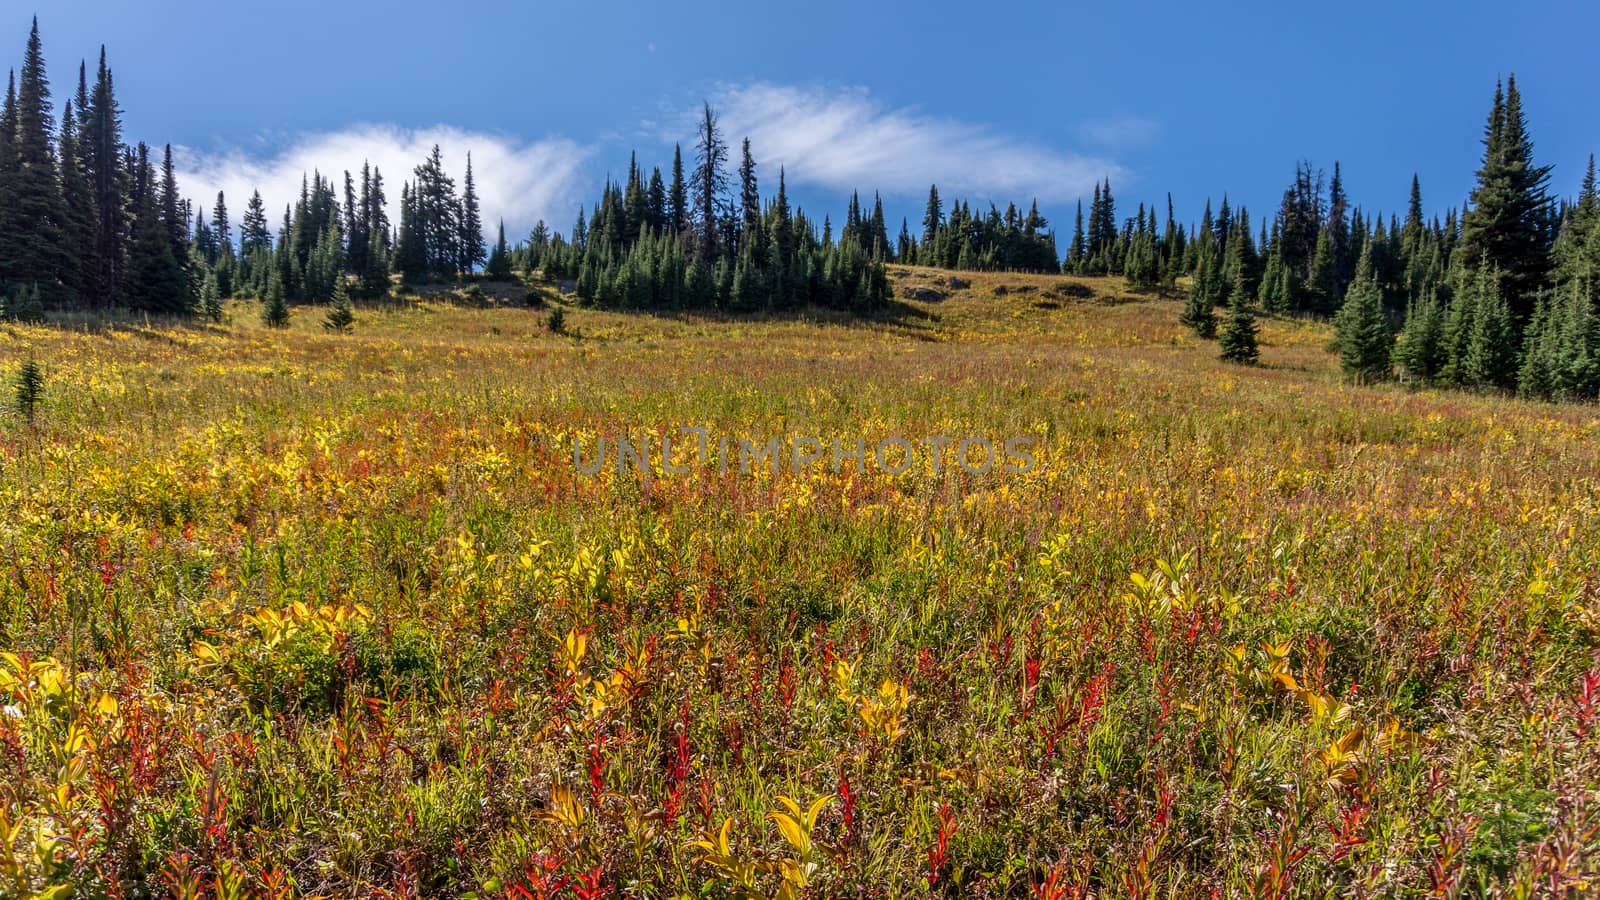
x: 1499, y: 293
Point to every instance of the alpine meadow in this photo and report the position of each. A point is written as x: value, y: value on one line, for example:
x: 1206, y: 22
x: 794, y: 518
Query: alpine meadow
x: 743, y: 535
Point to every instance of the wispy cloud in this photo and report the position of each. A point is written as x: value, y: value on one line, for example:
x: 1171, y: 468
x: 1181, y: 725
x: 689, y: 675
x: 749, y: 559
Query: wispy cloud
x: 845, y: 139
x: 519, y: 181
x: 1118, y: 132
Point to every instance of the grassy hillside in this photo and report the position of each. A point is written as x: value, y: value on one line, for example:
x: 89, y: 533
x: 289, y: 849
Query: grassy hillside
x: 292, y: 613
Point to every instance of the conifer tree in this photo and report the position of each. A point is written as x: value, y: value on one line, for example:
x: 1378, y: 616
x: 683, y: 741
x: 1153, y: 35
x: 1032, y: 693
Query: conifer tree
x: 471, y: 221
x: 35, y: 239
x: 211, y: 298
x: 678, y: 196
x: 933, y: 216
x: 499, y: 266
x: 275, y: 306
x: 709, y: 183
x: 1490, y: 354
x: 749, y: 195
x: 1508, y: 226
x: 78, y: 208
x: 106, y: 164
x: 1199, y: 311
x: 1362, y: 330
x: 1237, y: 342
x: 340, y: 317
x: 1421, y: 350
x: 155, y: 280
x: 28, y: 389
x: 1323, y: 283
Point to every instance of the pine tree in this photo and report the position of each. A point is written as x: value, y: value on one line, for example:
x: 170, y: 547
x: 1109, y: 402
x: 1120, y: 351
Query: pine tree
x: 499, y: 266
x: 1238, y: 339
x: 340, y: 317
x: 749, y: 195
x: 1508, y: 227
x: 1491, y: 351
x: 78, y: 208
x: 1363, y: 333
x: 1199, y: 311
x: 155, y: 280
x: 35, y: 245
x: 709, y: 183
x: 109, y: 178
x: 275, y: 306
x: 1323, y: 282
x: 28, y: 389
x: 471, y: 220
x: 932, y: 216
x: 1421, y: 350
x: 211, y: 298
x: 175, y: 219
x: 375, y: 274
x: 677, y: 196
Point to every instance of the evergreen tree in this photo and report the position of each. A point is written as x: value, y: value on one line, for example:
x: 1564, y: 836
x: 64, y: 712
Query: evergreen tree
x: 1421, y: 350
x: 471, y: 221
x: 109, y: 178
x: 749, y: 195
x: 1199, y: 311
x: 340, y: 317
x: 709, y: 183
x: 78, y: 209
x: 375, y: 271
x: 155, y: 280
x: 678, y: 196
x: 275, y: 306
x: 1508, y: 227
x: 1490, y: 357
x: 1238, y: 339
x: 1362, y: 328
x: 933, y: 216
x: 35, y: 238
x: 28, y: 389
x: 499, y: 265
x: 211, y: 298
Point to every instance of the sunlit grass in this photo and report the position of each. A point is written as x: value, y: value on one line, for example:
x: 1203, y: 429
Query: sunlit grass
x: 294, y: 613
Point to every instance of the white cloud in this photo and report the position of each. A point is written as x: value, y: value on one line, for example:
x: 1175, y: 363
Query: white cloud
x: 1119, y: 131
x: 846, y: 140
x: 521, y: 182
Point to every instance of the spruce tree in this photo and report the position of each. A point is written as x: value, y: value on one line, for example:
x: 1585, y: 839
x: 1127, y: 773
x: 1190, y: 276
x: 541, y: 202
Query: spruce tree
x: 498, y: 267
x: 1508, y: 226
x: 155, y: 280
x: 275, y: 306
x: 375, y: 275
x: 78, y: 208
x: 1421, y: 350
x: 340, y: 317
x: 709, y: 183
x: 1237, y: 342
x: 471, y: 220
x: 1363, y: 333
x: 1199, y: 311
x: 749, y: 195
x: 109, y: 179
x: 677, y: 196
x: 28, y: 389
x: 1491, y: 351
x: 35, y: 244
x: 211, y: 298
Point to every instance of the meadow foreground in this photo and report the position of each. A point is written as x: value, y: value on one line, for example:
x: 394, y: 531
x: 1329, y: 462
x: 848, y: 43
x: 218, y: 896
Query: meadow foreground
x: 290, y: 613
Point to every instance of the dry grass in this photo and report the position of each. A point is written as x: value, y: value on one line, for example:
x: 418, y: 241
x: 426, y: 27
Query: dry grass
x: 302, y: 614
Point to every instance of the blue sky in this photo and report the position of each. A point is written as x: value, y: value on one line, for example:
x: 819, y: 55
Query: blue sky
x: 994, y: 102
